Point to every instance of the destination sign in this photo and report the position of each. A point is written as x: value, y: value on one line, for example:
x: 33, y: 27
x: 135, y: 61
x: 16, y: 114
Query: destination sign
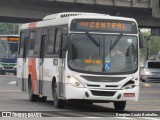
x: 103, y: 25
x: 14, y: 38
x: 10, y: 38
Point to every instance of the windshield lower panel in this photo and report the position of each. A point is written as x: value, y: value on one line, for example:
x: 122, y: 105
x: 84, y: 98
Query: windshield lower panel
x: 114, y: 54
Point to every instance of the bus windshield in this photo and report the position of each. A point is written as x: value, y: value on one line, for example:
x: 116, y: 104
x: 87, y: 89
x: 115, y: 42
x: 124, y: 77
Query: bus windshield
x: 8, y: 49
x: 112, y: 54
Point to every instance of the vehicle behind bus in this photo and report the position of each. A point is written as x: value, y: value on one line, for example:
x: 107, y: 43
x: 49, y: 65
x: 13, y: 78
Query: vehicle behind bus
x: 8, y: 53
x: 85, y: 57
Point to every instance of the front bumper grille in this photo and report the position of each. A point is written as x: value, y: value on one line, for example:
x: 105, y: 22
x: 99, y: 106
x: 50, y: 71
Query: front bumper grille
x: 102, y: 93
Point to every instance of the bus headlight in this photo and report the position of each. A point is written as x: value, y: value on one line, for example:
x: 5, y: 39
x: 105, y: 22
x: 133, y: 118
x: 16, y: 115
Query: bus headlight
x: 145, y: 72
x: 128, y: 87
x: 74, y: 82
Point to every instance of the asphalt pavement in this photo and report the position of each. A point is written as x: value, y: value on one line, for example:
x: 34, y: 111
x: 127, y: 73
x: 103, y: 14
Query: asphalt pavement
x: 16, y: 102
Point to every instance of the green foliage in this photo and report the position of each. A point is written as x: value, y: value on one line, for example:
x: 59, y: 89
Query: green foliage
x: 153, y: 43
x: 143, y: 50
x: 8, y: 28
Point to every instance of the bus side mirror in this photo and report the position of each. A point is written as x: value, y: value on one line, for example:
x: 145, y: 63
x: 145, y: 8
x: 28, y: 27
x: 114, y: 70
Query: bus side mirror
x: 141, y: 45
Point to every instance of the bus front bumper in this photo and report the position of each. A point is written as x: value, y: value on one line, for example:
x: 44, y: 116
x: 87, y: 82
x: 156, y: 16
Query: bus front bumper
x: 11, y: 70
x: 73, y: 93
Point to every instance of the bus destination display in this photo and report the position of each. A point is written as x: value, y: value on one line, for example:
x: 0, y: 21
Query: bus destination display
x: 103, y: 25
x: 10, y: 38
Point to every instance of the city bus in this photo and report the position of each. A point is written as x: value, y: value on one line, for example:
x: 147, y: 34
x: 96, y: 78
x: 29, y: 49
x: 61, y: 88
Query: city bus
x: 73, y: 56
x: 8, y: 53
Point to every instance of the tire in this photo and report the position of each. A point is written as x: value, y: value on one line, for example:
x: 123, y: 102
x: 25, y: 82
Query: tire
x: 42, y: 99
x: 142, y: 79
x: 58, y: 103
x: 15, y: 73
x: 85, y: 102
x: 32, y: 97
x: 119, y: 105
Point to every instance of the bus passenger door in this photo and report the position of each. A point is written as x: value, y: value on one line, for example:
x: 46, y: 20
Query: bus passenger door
x: 21, y: 61
x: 41, y: 60
x: 59, y: 41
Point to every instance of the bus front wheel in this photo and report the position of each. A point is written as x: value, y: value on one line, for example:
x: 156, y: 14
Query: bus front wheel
x: 32, y: 97
x: 119, y: 105
x: 58, y: 103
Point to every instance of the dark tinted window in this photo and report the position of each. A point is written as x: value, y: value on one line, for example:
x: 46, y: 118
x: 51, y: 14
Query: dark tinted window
x: 37, y: 42
x: 50, y: 42
x: 32, y: 38
x: 24, y: 35
x: 58, y: 40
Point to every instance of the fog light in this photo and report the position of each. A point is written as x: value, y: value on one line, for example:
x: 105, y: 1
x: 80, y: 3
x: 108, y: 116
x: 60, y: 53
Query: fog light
x: 119, y: 96
x: 86, y: 93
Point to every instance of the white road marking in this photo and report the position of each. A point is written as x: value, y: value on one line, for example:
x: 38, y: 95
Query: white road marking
x: 125, y: 118
x: 149, y: 118
x: 12, y: 82
x: 94, y: 117
x: 147, y: 85
x: 10, y: 90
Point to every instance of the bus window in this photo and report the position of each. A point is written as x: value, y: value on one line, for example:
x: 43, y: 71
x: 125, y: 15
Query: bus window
x: 43, y: 42
x: 21, y: 45
x: 37, y: 42
x: 57, y: 42
x: 50, y: 42
x: 31, y: 43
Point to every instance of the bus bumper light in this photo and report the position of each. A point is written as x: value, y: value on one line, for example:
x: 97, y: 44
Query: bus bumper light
x: 119, y: 96
x: 129, y: 95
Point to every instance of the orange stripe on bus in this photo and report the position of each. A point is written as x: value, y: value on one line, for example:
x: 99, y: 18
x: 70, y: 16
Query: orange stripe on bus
x: 32, y: 25
x: 32, y: 71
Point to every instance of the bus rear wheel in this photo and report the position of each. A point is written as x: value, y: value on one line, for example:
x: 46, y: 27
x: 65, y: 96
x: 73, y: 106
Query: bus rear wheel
x: 32, y: 97
x: 119, y: 105
x: 58, y: 103
x: 42, y: 99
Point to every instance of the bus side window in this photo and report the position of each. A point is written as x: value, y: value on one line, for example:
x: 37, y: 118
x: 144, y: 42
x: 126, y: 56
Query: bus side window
x: 37, y: 42
x: 57, y: 40
x: 50, y: 42
x: 43, y: 45
x: 32, y: 38
x: 22, y: 43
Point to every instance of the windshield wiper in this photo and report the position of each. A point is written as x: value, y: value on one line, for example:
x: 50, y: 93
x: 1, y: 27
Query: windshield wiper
x: 4, y: 46
x: 116, y: 41
x: 93, y: 40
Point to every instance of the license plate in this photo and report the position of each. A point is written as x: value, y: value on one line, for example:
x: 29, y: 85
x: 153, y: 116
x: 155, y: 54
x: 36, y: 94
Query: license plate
x: 128, y: 95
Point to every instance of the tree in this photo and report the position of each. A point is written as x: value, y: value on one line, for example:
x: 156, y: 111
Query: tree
x: 154, y: 46
x: 153, y: 43
x: 8, y: 28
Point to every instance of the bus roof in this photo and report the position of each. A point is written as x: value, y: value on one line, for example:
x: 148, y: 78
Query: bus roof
x: 63, y: 19
x: 9, y: 35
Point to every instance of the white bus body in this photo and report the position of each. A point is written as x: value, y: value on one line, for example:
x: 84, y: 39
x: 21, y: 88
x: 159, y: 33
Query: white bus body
x: 48, y: 64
